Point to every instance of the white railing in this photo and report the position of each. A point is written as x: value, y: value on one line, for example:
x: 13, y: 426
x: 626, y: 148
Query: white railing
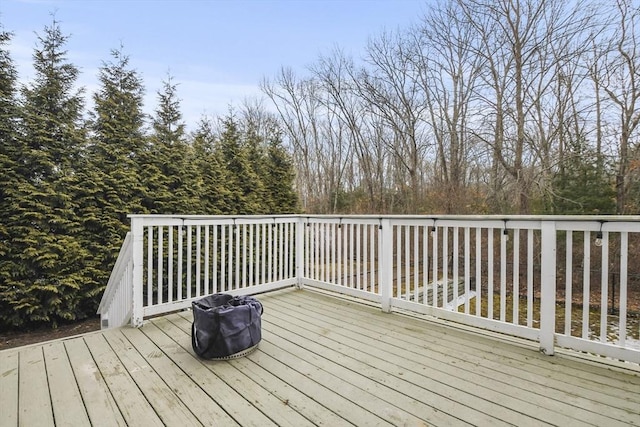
x: 182, y: 259
x: 539, y: 278
x: 116, y: 305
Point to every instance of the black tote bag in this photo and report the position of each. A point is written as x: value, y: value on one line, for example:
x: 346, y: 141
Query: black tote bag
x: 225, y: 326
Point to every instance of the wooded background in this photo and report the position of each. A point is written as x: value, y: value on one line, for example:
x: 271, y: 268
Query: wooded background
x: 484, y: 106
x: 481, y: 107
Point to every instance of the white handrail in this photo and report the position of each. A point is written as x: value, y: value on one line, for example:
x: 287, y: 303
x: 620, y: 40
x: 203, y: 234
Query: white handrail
x: 505, y: 273
x: 177, y: 260
x: 518, y: 275
x: 115, y: 307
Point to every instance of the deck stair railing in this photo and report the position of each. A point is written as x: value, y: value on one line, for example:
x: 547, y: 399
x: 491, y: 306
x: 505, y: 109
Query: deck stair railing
x: 572, y: 282
x: 116, y: 305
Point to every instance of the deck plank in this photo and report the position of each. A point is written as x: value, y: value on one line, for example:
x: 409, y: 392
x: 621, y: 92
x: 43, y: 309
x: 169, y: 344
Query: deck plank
x: 170, y: 409
x: 303, y: 404
x: 133, y: 405
x: 400, y: 373
x: 275, y: 409
x: 611, y: 387
x: 523, y: 395
x: 601, y: 383
x: 34, y: 401
x: 101, y: 406
x: 515, y: 350
x: 324, y: 360
x: 157, y: 348
x: 184, y: 323
x: 68, y: 407
x: 233, y: 402
x: 558, y: 369
x: 326, y: 395
x: 9, y: 368
x: 389, y: 401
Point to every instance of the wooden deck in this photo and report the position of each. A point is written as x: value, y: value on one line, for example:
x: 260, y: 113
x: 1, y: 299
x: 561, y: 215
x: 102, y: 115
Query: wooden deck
x: 322, y: 361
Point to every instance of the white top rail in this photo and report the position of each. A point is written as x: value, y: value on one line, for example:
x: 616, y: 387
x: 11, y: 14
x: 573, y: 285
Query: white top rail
x: 572, y: 281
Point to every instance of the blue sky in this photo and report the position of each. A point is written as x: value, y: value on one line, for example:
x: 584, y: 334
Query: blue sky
x: 217, y: 50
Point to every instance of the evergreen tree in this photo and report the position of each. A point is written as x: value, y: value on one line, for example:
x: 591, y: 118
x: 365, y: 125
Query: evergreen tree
x: 169, y: 173
x: 43, y: 272
x: 9, y: 150
x: 269, y: 159
x: 254, y: 145
x: 584, y: 185
x: 279, y: 176
x: 12, y: 176
x: 244, y: 184
x: 111, y: 172
x: 211, y: 175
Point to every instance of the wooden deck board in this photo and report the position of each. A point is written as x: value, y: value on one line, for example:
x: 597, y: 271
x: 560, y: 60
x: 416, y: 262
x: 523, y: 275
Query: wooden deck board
x: 394, y: 384
x: 505, y: 352
x: 323, y: 361
x: 258, y: 407
x: 502, y: 401
x: 68, y: 407
x: 9, y: 388
x: 289, y: 395
x: 158, y: 349
x: 531, y: 366
x: 465, y: 370
x: 327, y: 396
x: 231, y: 402
x: 162, y: 399
x: 367, y: 404
x: 420, y: 379
x: 133, y: 406
x: 264, y: 357
x: 99, y: 402
x: 34, y: 401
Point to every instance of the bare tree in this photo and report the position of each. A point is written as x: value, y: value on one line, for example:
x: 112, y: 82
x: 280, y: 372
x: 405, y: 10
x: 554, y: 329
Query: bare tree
x: 297, y: 106
x: 621, y: 83
x: 335, y: 75
x: 483, y: 102
x: 556, y: 105
x: 528, y: 50
x: 393, y: 93
x: 257, y: 119
x: 447, y: 68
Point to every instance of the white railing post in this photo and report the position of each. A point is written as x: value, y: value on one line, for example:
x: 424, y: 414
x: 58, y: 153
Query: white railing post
x: 548, y: 285
x: 386, y: 264
x: 137, y: 234
x: 300, y: 229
